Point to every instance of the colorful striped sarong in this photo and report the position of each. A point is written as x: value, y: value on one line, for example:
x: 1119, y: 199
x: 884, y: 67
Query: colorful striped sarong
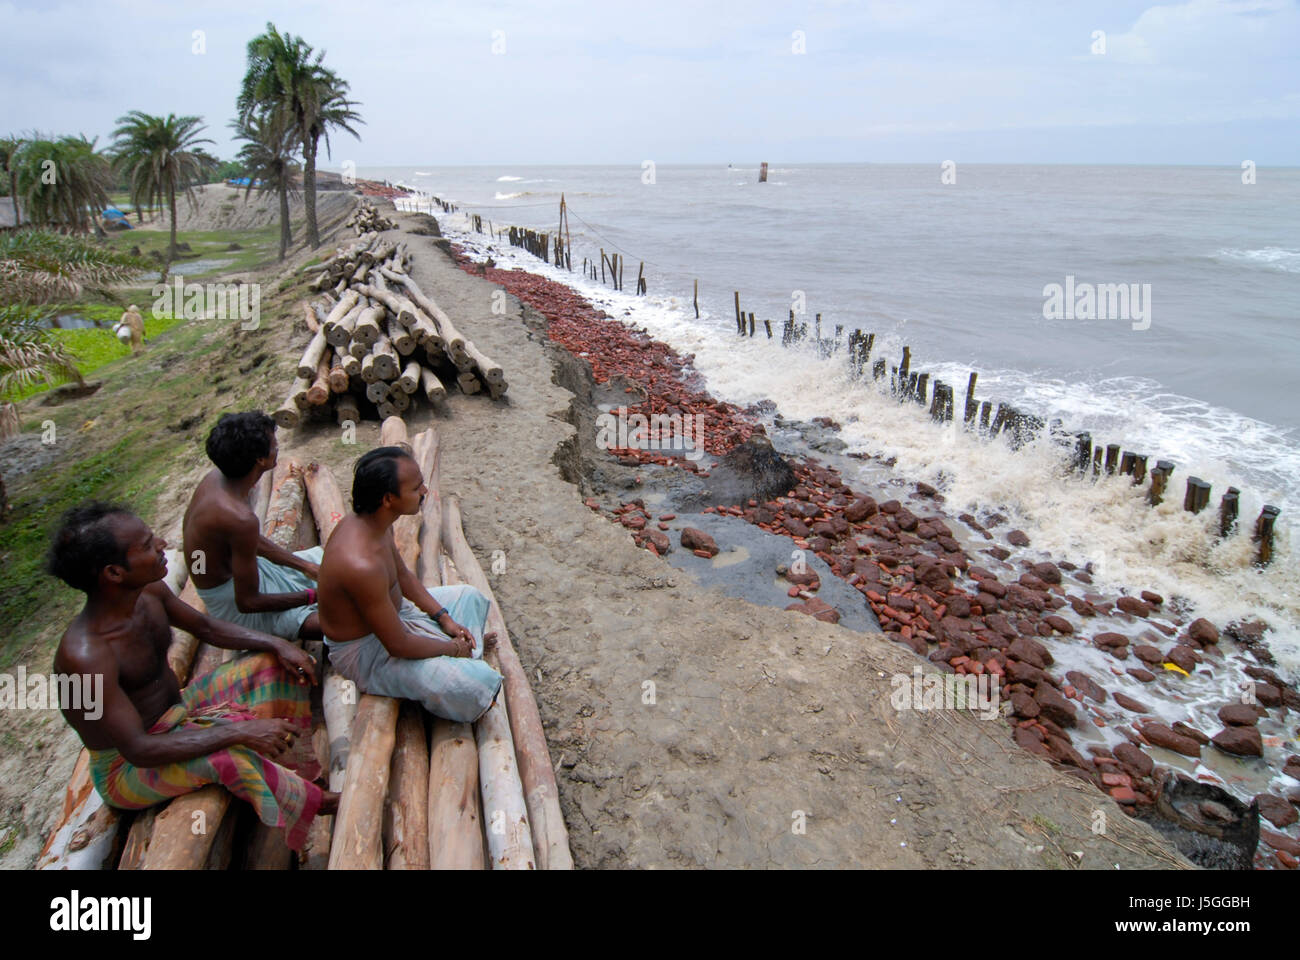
x: 255, y: 686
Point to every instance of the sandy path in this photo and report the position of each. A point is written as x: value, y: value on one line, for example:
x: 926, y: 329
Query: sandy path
x: 758, y: 714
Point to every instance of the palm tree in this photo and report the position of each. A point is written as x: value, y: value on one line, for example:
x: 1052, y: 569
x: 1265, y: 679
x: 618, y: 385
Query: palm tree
x: 40, y: 266
x: 284, y: 76
x: 61, y: 181
x: 268, y: 157
x: 9, y: 147
x: 161, y: 156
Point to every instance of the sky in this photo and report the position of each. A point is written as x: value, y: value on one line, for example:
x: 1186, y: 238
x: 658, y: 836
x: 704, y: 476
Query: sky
x: 701, y: 81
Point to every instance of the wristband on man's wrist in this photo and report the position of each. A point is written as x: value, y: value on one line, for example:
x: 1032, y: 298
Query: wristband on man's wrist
x: 440, y: 612
x: 311, y: 595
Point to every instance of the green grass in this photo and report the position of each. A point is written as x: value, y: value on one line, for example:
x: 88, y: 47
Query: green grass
x: 95, y: 347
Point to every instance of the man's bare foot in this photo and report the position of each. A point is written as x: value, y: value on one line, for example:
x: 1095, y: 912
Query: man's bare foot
x: 329, y: 803
x: 489, y: 640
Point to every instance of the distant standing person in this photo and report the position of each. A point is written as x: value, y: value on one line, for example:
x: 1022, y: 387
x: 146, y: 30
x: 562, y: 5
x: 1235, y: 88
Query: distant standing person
x: 241, y: 575
x: 130, y: 328
x: 148, y: 739
x: 384, y: 630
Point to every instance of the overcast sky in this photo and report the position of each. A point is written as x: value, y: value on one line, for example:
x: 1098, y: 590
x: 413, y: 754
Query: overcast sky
x: 548, y: 81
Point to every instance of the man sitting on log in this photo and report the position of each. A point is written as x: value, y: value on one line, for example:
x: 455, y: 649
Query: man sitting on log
x: 241, y: 575
x: 148, y: 739
x: 384, y: 630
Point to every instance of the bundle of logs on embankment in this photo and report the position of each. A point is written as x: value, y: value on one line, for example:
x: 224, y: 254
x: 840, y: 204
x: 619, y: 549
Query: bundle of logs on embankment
x: 367, y: 218
x: 908, y: 385
x: 417, y: 792
x: 379, y: 342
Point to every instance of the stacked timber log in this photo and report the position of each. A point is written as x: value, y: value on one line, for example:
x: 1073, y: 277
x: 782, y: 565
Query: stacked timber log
x: 378, y: 343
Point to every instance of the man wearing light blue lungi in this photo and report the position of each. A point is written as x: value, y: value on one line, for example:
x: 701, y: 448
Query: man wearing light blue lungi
x: 242, y: 576
x: 383, y: 629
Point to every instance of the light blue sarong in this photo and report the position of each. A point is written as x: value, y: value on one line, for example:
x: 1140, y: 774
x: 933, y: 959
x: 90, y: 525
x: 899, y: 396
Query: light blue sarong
x: 271, y: 578
x: 455, y: 688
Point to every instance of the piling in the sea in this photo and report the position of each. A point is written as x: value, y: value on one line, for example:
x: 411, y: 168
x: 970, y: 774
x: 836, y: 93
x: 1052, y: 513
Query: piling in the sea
x: 1139, y: 468
x: 1228, y: 507
x: 1112, y: 458
x: 1159, y: 482
x: 1264, y: 534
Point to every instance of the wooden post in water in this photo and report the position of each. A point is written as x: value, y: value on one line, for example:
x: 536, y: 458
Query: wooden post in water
x: 767, y: 325
x: 1228, y: 507
x: 751, y: 324
x: 739, y: 321
x: 1139, y: 468
x: 602, y: 264
x: 620, y: 271
x: 1112, y: 458
x: 1126, y: 463
x: 920, y: 389
x: 1264, y: 534
x: 878, y: 370
x: 640, y: 279
x: 697, y: 299
x: 762, y: 172
x: 903, y: 369
x: 1096, y: 461
x: 985, y: 409
x: 1082, y: 451
x: 1159, y: 481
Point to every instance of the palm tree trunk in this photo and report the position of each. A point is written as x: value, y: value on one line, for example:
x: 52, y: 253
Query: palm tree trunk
x: 4, y: 500
x: 171, y: 206
x: 309, y: 189
x: 285, y: 236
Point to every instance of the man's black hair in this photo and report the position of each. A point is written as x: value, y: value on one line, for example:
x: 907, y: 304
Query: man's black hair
x: 85, y: 544
x: 375, y: 475
x: 239, y: 440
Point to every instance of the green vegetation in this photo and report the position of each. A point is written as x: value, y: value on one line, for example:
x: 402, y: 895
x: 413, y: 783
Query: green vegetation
x: 226, y: 170
x: 61, y: 181
x: 268, y: 156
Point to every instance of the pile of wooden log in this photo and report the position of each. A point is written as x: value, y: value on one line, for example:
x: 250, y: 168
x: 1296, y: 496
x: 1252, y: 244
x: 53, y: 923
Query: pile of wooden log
x: 416, y: 791
x: 367, y: 217
x: 379, y: 342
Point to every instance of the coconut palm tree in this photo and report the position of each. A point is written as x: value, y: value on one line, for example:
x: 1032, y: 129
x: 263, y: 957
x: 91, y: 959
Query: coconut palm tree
x: 9, y: 147
x: 268, y: 156
x: 41, y: 266
x: 283, y: 75
x: 61, y: 181
x: 161, y: 157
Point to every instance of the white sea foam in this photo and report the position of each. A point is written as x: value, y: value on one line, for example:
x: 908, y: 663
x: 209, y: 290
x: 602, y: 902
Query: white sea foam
x: 1106, y: 522
x: 507, y: 179
x: 1276, y: 258
x: 507, y: 196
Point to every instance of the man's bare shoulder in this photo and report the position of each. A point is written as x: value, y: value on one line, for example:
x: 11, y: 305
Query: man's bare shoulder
x: 81, y: 651
x: 353, y: 549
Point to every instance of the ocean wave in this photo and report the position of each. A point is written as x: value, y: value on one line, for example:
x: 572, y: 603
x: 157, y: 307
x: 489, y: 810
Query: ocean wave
x: 509, y: 196
x: 1277, y: 258
x: 423, y: 173
x: 507, y: 178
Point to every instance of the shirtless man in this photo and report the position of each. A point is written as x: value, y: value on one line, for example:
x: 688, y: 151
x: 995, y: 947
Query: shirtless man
x: 244, y: 577
x: 384, y: 630
x: 153, y: 740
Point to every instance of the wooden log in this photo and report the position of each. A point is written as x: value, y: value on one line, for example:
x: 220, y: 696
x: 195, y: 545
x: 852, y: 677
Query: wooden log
x: 340, y: 335
x: 1264, y: 534
x: 453, y: 342
x: 137, y: 838
x: 85, y: 835
x: 455, y: 823
x: 180, y: 655
x: 351, y: 364
x: 392, y: 433
x: 184, y: 830
x: 468, y: 383
x: 338, y: 374
x: 403, y: 340
x: 385, y: 360
x: 433, y: 389
x: 509, y: 840
x: 325, y: 498
x: 341, y: 309
x: 537, y: 775
x: 287, y: 414
x: 406, y: 816
x: 400, y: 307
x: 285, y: 512
x: 488, y: 369
x: 358, y: 840
x: 399, y: 400
x: 320, y: 391
x: 409, y: 381
x: 369, y: 326
x: 346, y: 409
x: 311, y: 357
